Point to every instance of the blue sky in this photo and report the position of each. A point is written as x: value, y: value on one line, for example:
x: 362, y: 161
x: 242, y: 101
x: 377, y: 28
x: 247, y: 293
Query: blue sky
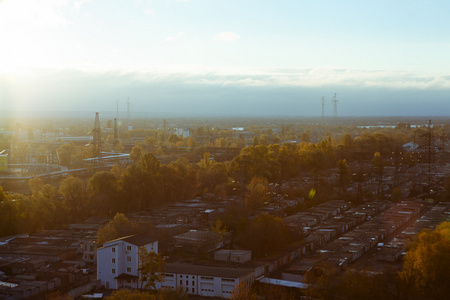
x: 211, y: 56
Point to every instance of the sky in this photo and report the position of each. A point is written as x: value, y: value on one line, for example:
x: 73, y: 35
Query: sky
x: 226, y: 57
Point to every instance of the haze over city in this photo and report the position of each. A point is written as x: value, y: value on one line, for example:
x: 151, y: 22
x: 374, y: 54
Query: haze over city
x: 206, y: 57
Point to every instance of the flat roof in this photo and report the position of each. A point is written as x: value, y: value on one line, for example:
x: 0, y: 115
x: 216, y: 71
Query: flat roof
x: 203, y: 270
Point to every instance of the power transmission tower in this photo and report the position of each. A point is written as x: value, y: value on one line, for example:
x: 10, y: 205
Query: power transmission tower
x: 116, y: 134
x: 335, y: 103
x: 128, y: 111
x: 117, y: 109
x: 323, y: 109
x: 431, y: 157
x: 96, y: 138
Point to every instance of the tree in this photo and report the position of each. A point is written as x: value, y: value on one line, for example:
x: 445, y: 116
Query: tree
x: 396, y: 194
x: 343, y: 173
x: 378, y: 166
x: 137, y: 152
x: 151, y: 268
x: 20, y: 153
x: 104, y: 193
x: 74, y: 191
x: 65, y: 153
x: 427, y: 264
x: 305, y: 137
x: 118, y: 227
x: 256, y: 193
x: 126, y: 294
x: 264, y: 235
x: 243, y: 292
x: 35, y: 184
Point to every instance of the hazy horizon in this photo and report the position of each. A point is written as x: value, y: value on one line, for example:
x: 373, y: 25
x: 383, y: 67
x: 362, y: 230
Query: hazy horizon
x: 222, y: 58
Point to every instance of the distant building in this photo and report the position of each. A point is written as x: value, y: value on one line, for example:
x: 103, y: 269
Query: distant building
x: 183, y: 132
x: 207, y: 281
x: 410, y: 146
x: 118, y: 261
x: 238, y: 256
x: 200, y: 241
x: 3, y: 162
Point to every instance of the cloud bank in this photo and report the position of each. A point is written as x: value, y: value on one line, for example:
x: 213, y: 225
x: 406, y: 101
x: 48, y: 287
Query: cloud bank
x: 228, y: 92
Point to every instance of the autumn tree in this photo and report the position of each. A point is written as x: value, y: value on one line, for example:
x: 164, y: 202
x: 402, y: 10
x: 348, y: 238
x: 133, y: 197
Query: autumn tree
x: 137, y: 152
x: 378, y: 166
x: 427, y: 264
x: 74, y: 191
x: 243, y: 292
x: 151, y: 268
x: 103, y: 190
x: 142, y: 183
x: 118, y: 227
x: 256, y: 193
x: 65, y: 153
x: 343, y: 173
x: 264, y: 235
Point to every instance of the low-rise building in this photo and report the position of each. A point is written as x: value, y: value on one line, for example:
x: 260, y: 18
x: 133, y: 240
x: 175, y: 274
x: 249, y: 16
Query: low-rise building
x: 207, y: 281
x: 118, y: 261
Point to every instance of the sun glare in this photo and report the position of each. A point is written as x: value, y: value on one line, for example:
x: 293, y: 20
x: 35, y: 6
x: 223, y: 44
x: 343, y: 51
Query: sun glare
x: 26, y: 28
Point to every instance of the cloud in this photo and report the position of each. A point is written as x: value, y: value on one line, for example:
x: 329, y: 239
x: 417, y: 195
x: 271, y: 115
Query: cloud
x: 172, y: 39
x: 78, y: 3
x: 226, y: 37
x: 149, y: 12
x: 209, y: 92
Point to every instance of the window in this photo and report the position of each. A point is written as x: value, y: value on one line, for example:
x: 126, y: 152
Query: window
x: 113, y: 249
x: 193, y: 282
x: 113, y: 271
x: 128, y: 248
x: 91, y: 248
x: 113, y: 261
x: 181, y: 282
x: 128, y: 258
x: 206, y: 278
x: 227, y: 280
x: 187, y: 282
x: 193, y: 290
x: 128, y: 269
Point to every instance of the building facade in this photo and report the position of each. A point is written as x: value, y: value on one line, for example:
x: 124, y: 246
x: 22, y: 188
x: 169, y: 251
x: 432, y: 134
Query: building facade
x: 210, y: 281
x: 118, y: 261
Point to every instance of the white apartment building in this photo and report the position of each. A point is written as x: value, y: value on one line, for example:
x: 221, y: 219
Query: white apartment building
x: 205, y: 280
x: 118, y: 261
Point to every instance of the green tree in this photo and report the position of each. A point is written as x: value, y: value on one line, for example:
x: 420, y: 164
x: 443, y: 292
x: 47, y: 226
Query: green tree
x: 151, y: 268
